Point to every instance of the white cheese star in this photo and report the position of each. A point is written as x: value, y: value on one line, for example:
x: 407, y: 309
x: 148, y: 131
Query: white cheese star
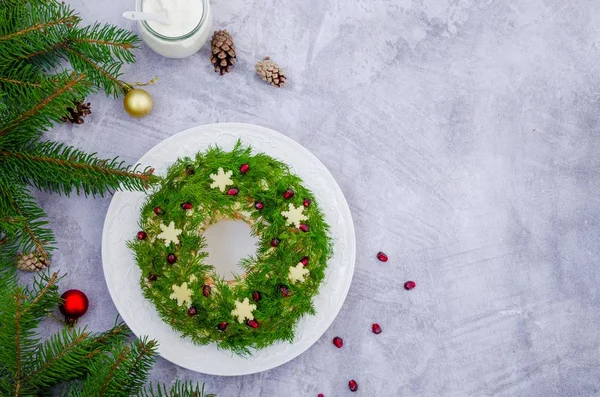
x: 182, y: 293
x: 169, y: 233
x: 294, y: 215
x: 243, y: 310
x: 221, y: 179
x: 297, y: 273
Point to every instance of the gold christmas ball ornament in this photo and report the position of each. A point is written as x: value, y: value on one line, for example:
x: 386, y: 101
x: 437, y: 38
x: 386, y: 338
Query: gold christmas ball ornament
x: 137, y: 103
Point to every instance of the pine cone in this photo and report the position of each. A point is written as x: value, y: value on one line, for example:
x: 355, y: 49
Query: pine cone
x: 223, y: 51
x: 32, y: 262
x: 270, y: 72
x: 77, y: 112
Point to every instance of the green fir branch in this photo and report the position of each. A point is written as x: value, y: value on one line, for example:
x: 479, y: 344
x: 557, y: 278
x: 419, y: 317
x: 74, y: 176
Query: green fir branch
x: 103, y: 42
x: 40, y: 108
x: 23, y: 308
x: 58, y: 168
x: 23, y: 223
x: 103, y: 74
x: 25, y: 28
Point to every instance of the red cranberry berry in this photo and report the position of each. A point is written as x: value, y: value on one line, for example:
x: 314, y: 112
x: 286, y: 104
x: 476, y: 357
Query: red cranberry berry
x: 306, y: 203
x: 275, y: 242
x: 304, y: 261
x: 187, y: 206
x: 352, y: 385
x: 192, y: 311
x: 320, y: 395
x: 409, y: 285
x: 382, y: 257
x: 284, y: 290
x: 252, y: 323
x: 158, y: 210
x: 304, y: 227
x: 222, y: 326
x: 244, y: 168
x: 376, y: 328
x: 256, y: 296
x: 258, y: 205
x: 206, y: 290
x: 288, y: 194
x: 152, y: 277
x: 142, y: 235
x: 233, y: 191
x: 338, y: 342
x: 171, y: 258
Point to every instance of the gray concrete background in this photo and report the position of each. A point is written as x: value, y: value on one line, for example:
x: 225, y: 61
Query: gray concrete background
x: 465, y: 136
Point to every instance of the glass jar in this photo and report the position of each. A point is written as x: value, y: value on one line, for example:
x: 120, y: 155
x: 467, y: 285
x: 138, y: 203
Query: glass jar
x: 190, y: 27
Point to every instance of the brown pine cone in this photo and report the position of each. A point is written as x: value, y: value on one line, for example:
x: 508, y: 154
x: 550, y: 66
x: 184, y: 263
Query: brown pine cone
x: 77, y: 112
x: 32, y: 262
x: 270, y: 72
x: 223, y: 51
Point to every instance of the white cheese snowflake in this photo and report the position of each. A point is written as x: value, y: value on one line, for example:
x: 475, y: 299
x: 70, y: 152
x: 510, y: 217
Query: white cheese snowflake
x: 297, y: 273
x: 221, y: 179
x: 243, y: 310
x: 181, y: 293
x: 294, y: 215
x: 169, y: 233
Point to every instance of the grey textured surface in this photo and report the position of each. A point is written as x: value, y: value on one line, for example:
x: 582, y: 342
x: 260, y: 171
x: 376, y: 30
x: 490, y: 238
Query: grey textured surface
x: 465, y: 136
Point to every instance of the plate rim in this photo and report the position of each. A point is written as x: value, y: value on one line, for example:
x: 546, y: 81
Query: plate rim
x: 346, y: 209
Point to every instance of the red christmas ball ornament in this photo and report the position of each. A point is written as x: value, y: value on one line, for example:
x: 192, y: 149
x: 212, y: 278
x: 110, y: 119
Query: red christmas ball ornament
x: 258, y: 205
x: 409, y: 285
x: 244, y: 168
x: 233, y: 191
x: 376, y: 328
x: 306, y: 203
x: 222, y: 326
x: 352, y: 385
x: 171, y: 258
x: 275, y: 242
x: 338, y: 342
x: 141, y: 235
x: 256, y: 296
x: 206, y: 290
x: 304, y: 261
x: 187, y: 206
x: 382, y: 257
x: 158, y: 210
x: 74, y: 305
x: 252, y: 323
x: 288, y: 194
x: 304, y: 227
x: 192, y: 311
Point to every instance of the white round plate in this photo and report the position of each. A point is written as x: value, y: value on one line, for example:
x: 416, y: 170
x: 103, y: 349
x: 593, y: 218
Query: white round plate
x: 122, y: 273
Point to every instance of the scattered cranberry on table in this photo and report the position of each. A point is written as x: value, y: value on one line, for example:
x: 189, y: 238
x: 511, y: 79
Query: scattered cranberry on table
x: 409, y: 285
x: 338, y: 342
x: 376, y: 328
x: 382, y: 257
